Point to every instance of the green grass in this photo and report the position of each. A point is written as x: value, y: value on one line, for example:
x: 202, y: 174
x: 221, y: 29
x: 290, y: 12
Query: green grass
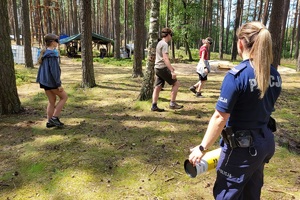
x: 114, y: 147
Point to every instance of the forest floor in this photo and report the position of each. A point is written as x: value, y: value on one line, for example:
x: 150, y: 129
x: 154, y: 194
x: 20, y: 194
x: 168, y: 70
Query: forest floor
x: 114, y: 147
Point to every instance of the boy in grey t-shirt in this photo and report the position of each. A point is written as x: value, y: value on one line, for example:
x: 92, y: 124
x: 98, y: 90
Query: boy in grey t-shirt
x: 164, y: 72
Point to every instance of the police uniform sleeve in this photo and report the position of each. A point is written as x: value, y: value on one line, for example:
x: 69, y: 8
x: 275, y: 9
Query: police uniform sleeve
x: 230, y: 90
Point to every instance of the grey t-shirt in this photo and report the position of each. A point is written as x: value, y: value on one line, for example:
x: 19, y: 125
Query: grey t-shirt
x: 162, y: 47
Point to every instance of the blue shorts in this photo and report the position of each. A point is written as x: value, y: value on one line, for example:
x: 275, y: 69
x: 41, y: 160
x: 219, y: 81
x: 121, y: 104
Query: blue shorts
x: 240, y: 174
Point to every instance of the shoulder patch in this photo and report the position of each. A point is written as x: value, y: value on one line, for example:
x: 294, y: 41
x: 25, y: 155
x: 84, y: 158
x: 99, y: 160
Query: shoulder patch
x: 237, y: 69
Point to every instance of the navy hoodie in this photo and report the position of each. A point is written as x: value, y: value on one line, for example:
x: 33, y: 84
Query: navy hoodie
x: 49, y: 71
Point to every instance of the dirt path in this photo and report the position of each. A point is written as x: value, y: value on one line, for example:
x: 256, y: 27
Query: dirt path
x: 218, y: 66
x: 71, y: 72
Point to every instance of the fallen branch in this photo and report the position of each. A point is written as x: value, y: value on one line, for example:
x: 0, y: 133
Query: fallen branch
x: 4, y: 184
x: 178, y: 172
x: 169, y: 179
x: 280, y: 191
x: 123, y: 145
x: 153, y: 170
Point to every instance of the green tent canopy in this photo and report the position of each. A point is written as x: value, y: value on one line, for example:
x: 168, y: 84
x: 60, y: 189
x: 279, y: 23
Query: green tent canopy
x: 73, y: 41
x: 97, y: 38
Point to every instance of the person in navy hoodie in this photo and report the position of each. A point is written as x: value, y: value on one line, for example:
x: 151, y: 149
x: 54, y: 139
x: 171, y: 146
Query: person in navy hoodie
x: 248, y: 94
x: 49, y: 79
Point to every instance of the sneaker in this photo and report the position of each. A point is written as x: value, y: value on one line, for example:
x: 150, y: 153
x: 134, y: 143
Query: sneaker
x: 176, y: 106
x: 198, y: 94
x: 50, y: 125
x: 55, y: 122
x: 193, y: 89
x: 157, y: 109
x: 60, y: 121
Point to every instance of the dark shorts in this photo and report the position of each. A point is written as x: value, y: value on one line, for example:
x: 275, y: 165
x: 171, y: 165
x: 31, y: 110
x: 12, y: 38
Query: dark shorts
x: 47, y: 88
x: 202, y: 78
x: 162, y: 76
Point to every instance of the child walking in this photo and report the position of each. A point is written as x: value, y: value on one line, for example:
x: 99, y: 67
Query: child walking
x: 203, y: 67
x: 49, y: 79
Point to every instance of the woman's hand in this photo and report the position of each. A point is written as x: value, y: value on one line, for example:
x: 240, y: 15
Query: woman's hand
x: 196, y: 155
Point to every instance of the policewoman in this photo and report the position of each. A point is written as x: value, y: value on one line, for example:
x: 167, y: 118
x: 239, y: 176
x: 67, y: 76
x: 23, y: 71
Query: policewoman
x: 248, y: 94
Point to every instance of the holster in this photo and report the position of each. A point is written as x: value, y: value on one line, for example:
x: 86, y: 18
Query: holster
x: 272, y: 124
x: 240, y: 138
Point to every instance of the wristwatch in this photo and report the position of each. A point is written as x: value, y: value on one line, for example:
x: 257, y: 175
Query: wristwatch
x: 202, y: 149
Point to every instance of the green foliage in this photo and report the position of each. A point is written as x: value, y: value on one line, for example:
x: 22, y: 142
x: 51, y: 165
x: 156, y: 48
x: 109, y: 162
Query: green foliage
x: 23, y: 75
x: 63, y: 52
x: 290, y: 63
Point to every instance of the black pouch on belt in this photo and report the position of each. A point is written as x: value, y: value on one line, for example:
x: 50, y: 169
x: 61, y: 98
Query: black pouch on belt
x: 243, y: 138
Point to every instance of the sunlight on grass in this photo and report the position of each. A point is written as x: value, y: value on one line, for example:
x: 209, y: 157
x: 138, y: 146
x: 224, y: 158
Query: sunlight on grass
x: 113, y: 147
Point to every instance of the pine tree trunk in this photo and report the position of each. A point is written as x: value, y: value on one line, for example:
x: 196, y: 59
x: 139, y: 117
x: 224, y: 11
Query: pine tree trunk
x: 236, y: 25
x: 276, y: 21
x: 88, y: 76
x: 125, y: 21
x: 221, y: 6
x: 9, y: 99
x: 298, y: 64
x: 148, y: 82
x: 294, y: 30
x: 297, y: 35
x: 139, y: 38
x: 117, y: 29
x: 75, y: 22
x: 228, y: 26
x: 27, y: 35
x: 266, y: 13
x: 17, y: 30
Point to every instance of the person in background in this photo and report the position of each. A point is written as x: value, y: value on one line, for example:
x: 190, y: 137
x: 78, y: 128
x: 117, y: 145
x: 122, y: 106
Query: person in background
x: 203, y: 67
x: 164, y: 72
x: 49, y: 79
x: 247, y: 98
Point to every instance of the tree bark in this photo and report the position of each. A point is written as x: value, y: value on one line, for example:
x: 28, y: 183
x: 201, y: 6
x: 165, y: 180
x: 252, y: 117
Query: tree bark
x: 185, y: 39
x: 117, y: 29
x: 285, y: 11
x: 139, y: 39
x: 276, y: 22
x: 221, y: 18
x: 9, y: 99
x: 236, y: 25
x: 88, y: 76
x: 17, y: 30
x: 260, y: 10
x: 298, y: 64
x: 266, y: 13
x: 27, y: 35
x: 294, y: 30
x: 297, y: 35
x: 148, y: 82
x: 125, y: 21
x: 228, y: 26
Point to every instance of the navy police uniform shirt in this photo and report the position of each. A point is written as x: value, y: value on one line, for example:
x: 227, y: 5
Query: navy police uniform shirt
x: 240, y: 97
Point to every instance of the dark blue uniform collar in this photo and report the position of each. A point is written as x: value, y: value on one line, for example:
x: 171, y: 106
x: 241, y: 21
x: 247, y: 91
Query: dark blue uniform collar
x: 236, y: 70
